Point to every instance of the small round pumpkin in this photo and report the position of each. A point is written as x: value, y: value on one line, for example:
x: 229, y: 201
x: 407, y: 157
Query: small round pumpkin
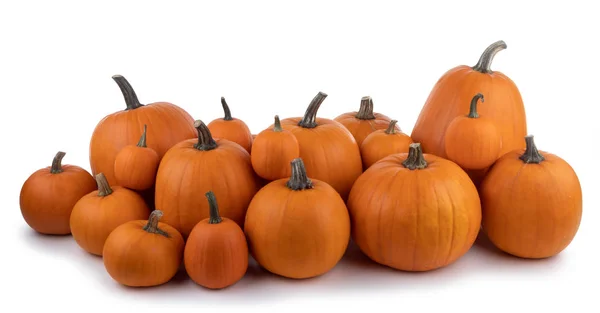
x: 136, y: 165
x: 414, y: 211
x: 532, y: 203
x: 231, y: 128
x: 382, y: 143
x: 98, y: 213
x: 297, y: 227
x: 216, y: 252
x: 272, y: 151
x: 49, y: 194
x: 365, y: 121
x: 143, y: 253
x: 472, y: 141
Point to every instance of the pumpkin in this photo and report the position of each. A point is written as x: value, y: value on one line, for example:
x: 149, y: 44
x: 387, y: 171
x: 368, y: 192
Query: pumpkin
x: 272, y: 151
x: 364, y: 121
x: 414, y: 211
x: 216, y: 252
x: 195, y: 166
x: 168, y: 125
x: 231, y: 128
x: 49, y: 194
x: 382, y: 143
x: 136, y: 165
x: 532, y: 203
x: 143, y: 253
x: 329, y: 151
x: 99, y: 212
x: 297, y: 227
x: 450, y: 98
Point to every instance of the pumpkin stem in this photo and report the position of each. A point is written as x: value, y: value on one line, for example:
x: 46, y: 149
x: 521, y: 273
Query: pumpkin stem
x: 485, y: 61
x: 531, y: 154
x: 310, y: 116
x: 131, y: 99
x: 226, y: 110
x: 103, y: 186
x: 215, y: 217
x: 152, y: 225
x: 391, y: 128
x: 57, y: 163
x: 142, y: 142
x: 473, y: 109
x: 299, y: 179
x: 277, y: 126
x: 205, y: 139
x: 415, y: 159
x: 366, y: 109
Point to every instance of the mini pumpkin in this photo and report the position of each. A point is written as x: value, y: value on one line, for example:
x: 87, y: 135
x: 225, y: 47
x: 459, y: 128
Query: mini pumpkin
x: 231, y: 128
x: 384, y: 142
x: 363, y: 122
x: 49, y: 194
x: 136, y: 165
x: 272, y: 151
x: 532, y: 203
x: 143, y: 253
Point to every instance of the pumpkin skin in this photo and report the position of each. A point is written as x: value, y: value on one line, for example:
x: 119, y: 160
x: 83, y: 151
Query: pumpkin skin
x: 363, y: 122
x: 272, y: 151
x: 414, y: 211
x: 168, y: 125
x: 136, y: 166
x: 49, y: 194
x: 382, y: 143
x: 532, y: 203
x: 297, y: 227
x: 231, y: 128
x: 216, y: 252
x: 329, y: 151
x: 143, y: 253
x: 196, y: 166
x: 98, y: 213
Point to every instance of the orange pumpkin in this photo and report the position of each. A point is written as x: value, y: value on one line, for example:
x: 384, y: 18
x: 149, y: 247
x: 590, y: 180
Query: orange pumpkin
x: 216, y: 252
x: 450, y: 98
x: 327, y: 148
x: 272, y: 151
x: 532, y: 203
x: 168, y: 125
x: 143, y: 253
x: 136, y: 166
x: 297, y: 227
x: 365, y: 121
x: 414, y: 211
x: 382, y: 143
x: 48, y: 195
x: 98, y: 213
x: 196, y: 166
x: 232, y: 129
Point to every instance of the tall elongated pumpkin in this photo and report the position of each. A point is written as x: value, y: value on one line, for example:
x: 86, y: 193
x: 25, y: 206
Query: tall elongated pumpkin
x: 451, y: 97
x: 167, y: 123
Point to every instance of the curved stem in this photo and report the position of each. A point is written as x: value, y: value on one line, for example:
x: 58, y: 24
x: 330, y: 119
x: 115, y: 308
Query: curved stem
x: 415, y: 159
x: 485, y: 61
x: 57, y: 163
x: 277, y: 125
x: 142, y: 142
x: 366, y: 109
x: 131, y: 99
x: 205, y: 139
x: 152, y: 225
x: 299, y: 179
x: 531, y: 154
x: 226, y: 110
x: 310, y: 116
x: 391, y: 128
x: 103, y: 186
x: 473, y: 108
x: 215, y: 217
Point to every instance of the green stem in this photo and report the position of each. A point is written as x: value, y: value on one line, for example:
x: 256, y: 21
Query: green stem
x: 152, y: 225
x: 277, y: 126
x: 215, y: 217
x: 473, y: 109
x: 391, y: 128
x: 103, y: 186
x: 310, y: 116
x: 299, y: 179
x: 485, y: 61
x: 56, y: 167
x: 415, y: 159
x: 366, y: 109
x: 131, y: 99
x: 205, y: 139
x: 226, y: 110
x: 142, y: 142
x: 531, y: 154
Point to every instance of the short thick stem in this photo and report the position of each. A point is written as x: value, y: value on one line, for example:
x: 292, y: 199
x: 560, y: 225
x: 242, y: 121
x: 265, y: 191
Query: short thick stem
x: 277, y: 125
x: 226, y: 110
x: 310, y: 116
x: 485, y: 61
x: 152, y: 225
x: 415, y: 159
x: 131, y: 99
x: 103, y: 186
x: 142, y: 142
x: 531, y: 154
x: 391, y: 128
x: 57, y: 163
x: 213, y: 206
x: 299, y: 179
x: 366, y: 109
x: 473, y: 108
x: 205, y: 139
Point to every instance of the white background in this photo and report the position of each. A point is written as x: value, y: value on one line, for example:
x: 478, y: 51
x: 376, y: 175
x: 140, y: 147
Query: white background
x: 266, y: 58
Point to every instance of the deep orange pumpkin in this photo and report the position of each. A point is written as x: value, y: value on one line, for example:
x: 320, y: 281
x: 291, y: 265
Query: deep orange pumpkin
x: 272, y: 151
x: 365, y: 121
x: 231, y: 128
x: 136, y: 165
x: 384, y: 142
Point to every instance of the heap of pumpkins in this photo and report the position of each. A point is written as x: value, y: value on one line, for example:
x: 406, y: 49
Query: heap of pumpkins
x: 168, y: 191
